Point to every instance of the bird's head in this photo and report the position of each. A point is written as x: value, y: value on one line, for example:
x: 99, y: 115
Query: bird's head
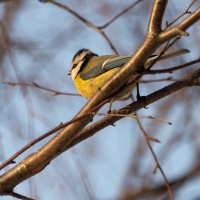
x: 79, y: 61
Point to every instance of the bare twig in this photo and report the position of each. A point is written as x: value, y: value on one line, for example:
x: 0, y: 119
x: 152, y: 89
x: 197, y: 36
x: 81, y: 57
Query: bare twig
x: 133, y: 116
x: 176, y: 183
x: 186, y: 11
x: 170, y: 78
x: 120, y: 14
x: 171, y: 69
x: 4, y: 1
x: 156, y: 159
x: 180, y: 29
x: 19, y: 196
x: 36, y: 85
x: 85, y: 21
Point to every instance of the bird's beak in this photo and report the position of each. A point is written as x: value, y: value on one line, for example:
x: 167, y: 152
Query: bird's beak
x: 69, y: 73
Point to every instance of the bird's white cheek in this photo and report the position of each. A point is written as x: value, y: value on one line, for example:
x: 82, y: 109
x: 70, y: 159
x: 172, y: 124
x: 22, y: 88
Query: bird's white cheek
x: 76, y: 70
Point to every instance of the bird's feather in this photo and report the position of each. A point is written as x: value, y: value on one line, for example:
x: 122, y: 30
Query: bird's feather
x: 105, y: 66
x: 119, y: 61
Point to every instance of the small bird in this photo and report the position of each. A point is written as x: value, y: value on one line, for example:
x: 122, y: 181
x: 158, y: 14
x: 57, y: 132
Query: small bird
x: 90, y: 71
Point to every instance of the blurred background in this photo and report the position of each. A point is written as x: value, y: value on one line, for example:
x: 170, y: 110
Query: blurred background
x: 37, y: 43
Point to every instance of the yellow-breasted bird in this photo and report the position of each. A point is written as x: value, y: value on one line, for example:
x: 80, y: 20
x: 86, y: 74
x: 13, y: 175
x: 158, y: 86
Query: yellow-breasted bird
x: 90, y: 71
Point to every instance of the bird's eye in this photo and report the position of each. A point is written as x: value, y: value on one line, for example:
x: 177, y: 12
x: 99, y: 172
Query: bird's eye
x: 74, y: 65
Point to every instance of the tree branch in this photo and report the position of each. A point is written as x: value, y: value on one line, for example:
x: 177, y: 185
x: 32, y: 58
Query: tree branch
x: 186, y: 11
x: 155, y: 21
x: 38, y: 86
x: 192, y: 80
x: 85, y: 21
x: 181, y: 27
x: 120, y: 14
x: 172, y: 69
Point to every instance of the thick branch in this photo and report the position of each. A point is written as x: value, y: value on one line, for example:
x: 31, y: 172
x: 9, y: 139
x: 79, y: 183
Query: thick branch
x: 157, y: 16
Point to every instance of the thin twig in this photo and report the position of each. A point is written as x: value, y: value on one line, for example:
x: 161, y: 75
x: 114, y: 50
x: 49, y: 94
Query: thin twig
x: 4, y: 1
x: 133, y: 116
x: 150, y: 191
x: 170, y: 78
x: 180, y: 29
x: 186, y: 11
x: 171, y: 69
x: 120, y: 14
x: 152, y: 139
x: 19, y: 196
x: 156, y: 159
x: 85, y: 21
x: 36, y: 85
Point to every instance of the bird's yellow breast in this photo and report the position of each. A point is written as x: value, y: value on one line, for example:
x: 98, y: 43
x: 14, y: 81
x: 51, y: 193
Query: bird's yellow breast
x: 88, y: 88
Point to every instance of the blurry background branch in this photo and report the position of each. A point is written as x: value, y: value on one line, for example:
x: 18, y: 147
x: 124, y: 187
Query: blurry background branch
x: 36, y: 85
x: 151, y: 192
x: 85, y: 21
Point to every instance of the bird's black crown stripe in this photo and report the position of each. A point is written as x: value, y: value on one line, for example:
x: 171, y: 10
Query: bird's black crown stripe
x: 87, y: 57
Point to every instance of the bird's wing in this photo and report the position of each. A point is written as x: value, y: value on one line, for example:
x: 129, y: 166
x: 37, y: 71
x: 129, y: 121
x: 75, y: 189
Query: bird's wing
x: 104, y: 67
x: 121, y: 60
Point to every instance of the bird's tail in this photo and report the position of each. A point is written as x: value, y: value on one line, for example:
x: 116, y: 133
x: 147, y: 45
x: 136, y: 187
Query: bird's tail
x: 166, y: 55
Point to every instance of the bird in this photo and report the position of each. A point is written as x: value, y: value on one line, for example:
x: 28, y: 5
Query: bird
x: 90, y: 71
